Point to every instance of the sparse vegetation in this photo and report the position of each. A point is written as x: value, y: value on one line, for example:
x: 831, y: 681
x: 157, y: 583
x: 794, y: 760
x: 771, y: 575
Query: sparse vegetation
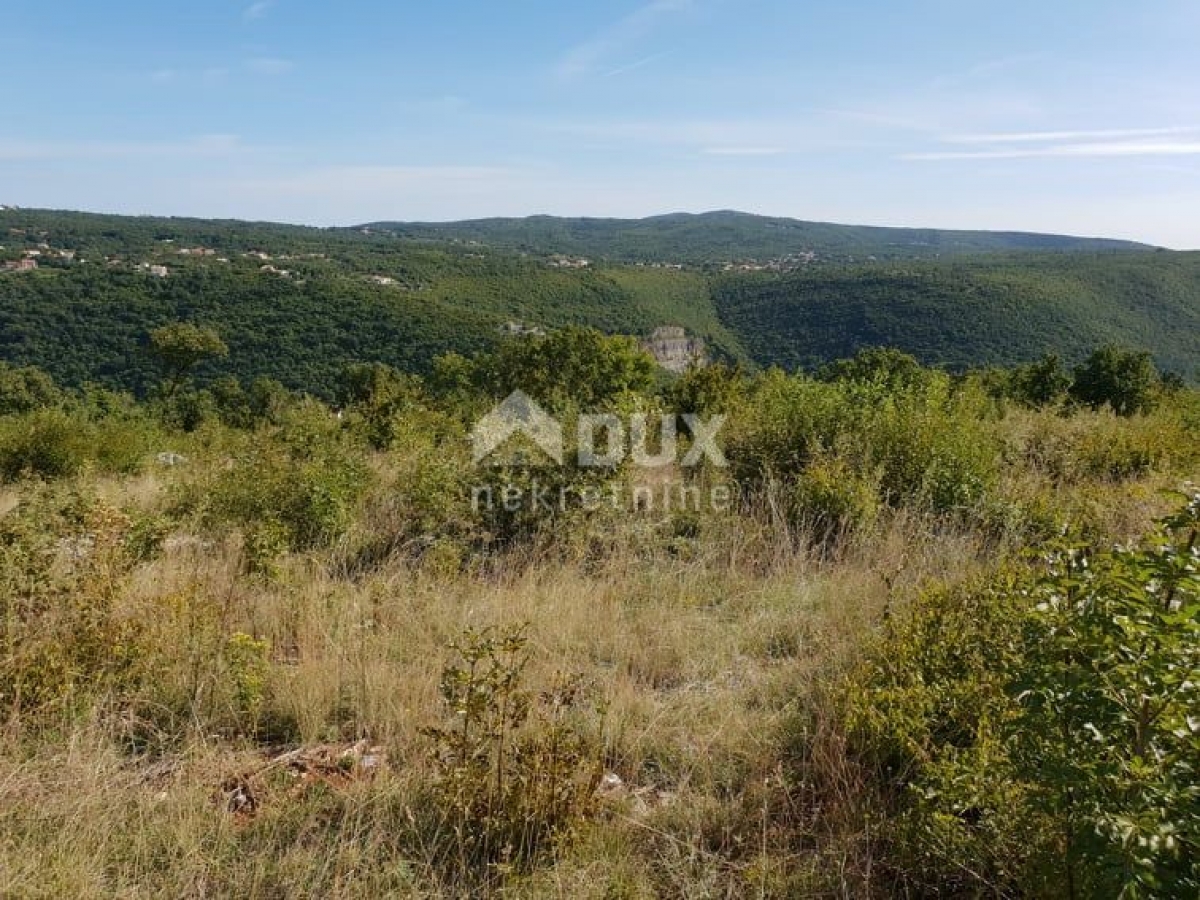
x: 278, y: 651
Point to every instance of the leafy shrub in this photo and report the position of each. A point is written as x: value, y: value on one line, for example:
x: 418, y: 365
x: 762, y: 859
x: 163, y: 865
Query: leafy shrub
x: 884, y: 367
x: 1040, y: 384
x: 933, y: 448
x: 425, y: 500
x: 571, y: 366
x: 249, y: 664
x: 515, y: 773
x: 64, y: 561
x: 717, y: 388
x: 832, y: 499
x: 264, y: 544
x: 147, y: 533
x: 373, y: 396
x: 61, y: 442
x: 1108, y: 692
x: 926, y: 444
x: 46, y: 443
x: 1115, y: 453
x: 1040, y: 738
x: 1105, y: 447
x: 302, y: 478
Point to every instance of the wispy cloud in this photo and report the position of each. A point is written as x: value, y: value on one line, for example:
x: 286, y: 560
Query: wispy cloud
x: 1029, y: 137
x: 208, y: 145
x: 638, y: 64
x: 269, y: 65
x: 1076, y: 144
x: 257, y: 10
x: 381, y: 178
x: 1098, y: 149
x: 743, y: 151
x: 750, y: 136
x: 619, y: 36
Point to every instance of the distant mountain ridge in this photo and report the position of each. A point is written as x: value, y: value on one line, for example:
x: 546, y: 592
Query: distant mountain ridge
x: 79, y: 293
x: 729, y: 236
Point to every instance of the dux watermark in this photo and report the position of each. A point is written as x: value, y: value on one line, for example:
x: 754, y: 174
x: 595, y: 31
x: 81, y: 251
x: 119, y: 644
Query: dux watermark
x: 519, y: 434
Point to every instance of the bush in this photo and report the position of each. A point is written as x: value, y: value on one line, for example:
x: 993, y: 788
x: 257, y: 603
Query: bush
x: 925, y: 445
x: 1040, y: 384
x: 1106, y: 731
x: 62, y: 442
x: 515, y: 774
x: 1034, y: 738
x: 932, y: 448
x: 832, y: 500
x: 571, y: 366
x: 426, y: 498
x: 46, y: 443
x: 374, y: 396
x: 64, y: 560
x: 302, y: 478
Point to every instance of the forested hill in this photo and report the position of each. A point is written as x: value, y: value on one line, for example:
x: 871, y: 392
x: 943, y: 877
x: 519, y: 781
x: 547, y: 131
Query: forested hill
x: 972, y: 312
x: 718, y: 237
x: 79, y: 294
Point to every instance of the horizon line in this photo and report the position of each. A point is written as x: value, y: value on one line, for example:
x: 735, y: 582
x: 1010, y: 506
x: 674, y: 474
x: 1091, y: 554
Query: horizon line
x: 664, y: 215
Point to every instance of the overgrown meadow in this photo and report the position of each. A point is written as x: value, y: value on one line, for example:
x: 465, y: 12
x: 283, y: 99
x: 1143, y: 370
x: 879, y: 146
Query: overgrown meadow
x: 943, y: 641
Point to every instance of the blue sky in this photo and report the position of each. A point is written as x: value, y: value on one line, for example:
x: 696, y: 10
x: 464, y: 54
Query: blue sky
x: 1069, y: 116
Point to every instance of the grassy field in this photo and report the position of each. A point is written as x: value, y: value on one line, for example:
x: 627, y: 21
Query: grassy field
x: 288, y: 664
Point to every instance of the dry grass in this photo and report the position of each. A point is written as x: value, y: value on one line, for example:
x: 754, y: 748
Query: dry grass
x: 699, y: 670
x: 706, y: 670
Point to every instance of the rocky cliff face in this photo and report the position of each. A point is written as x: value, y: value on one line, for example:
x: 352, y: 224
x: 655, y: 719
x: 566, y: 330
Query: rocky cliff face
x: 674, y: 350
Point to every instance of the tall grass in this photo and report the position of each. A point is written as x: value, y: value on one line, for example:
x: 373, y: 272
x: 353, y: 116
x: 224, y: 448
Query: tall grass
x: 706, y: 749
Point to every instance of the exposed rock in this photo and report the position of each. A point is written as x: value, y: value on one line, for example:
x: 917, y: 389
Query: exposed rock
x: 674, y: 350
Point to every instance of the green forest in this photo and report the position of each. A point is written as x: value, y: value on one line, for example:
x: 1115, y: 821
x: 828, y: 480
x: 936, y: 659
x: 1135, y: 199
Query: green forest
x: 299, y: 304
x: 730, y: 236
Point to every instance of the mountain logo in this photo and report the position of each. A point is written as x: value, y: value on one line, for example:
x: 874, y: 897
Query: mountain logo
x: 517, y: 415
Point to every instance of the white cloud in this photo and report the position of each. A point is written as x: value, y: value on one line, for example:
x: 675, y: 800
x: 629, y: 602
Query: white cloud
x: 208, y: 145
x: 1024, y: 137
x: 339, y: 195
x: 635, y: 27
x: 1100, y: 149
x: 351, y: 178
x: 743, y: 151
x: 637, y: 64
x: 257, y: 10
x: 750, y: 136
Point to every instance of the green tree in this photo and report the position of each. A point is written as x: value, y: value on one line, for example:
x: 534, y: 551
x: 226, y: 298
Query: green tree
x: 708, y: 389
x: 180, y: 347
x: 374, y: 394
x: 576, y: 365
x: 1042, y: 383
x: 885, y: 366
x: 25, y: 388
x: 1126, y: 380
